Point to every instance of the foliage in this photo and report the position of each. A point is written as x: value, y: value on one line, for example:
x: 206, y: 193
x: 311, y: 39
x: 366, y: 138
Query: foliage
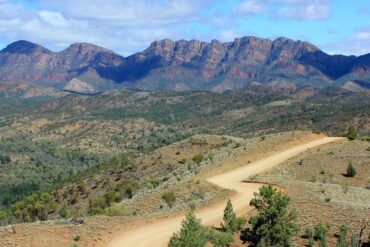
x: 274, y: 224
x: 211, y: 156
x: 112, y: 196
x: 116, y: 210
x: 351, y: 171
x: 342, y: 242
x: 128, y: 187
x: 34, y: 207
x: 169, y: 197
x: 321, y: 232
x: 230, y: 224
x: 153, y: 183
x: 351, y: 132
x: 198, y: 158
x: 310, y: 237
x: 219, y: 239
x: 192, y: 233
x: 3, y: 217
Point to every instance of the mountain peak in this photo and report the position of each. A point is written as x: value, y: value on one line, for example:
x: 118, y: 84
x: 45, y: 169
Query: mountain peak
x: 283, y: 41
x: 24, y: 47
x: 85, y: 48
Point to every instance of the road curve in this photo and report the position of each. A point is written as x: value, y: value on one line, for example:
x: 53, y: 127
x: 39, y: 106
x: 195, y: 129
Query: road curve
x: 158, y: 233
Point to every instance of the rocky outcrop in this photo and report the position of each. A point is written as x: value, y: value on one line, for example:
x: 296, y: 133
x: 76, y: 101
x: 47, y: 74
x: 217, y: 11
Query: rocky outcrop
x: 183, y: 65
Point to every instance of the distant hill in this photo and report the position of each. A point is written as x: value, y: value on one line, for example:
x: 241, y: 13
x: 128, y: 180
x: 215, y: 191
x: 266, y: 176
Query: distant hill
x: 185, y: 65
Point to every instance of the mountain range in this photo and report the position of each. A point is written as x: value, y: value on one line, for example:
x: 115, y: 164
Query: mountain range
x: 184, y: 65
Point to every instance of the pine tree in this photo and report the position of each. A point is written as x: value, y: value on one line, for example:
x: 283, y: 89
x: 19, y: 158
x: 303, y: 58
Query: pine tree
x: 274, y: 224
x: 230, y: 222
x: 191, y: 234
x: 351, y: 171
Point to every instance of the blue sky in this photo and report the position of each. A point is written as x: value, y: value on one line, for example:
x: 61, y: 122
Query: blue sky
x: 128, y: 26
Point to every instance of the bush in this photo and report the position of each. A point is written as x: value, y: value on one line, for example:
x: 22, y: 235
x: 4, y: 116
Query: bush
x: 112, y: 196
x: 77, y: 238
x: 351, y: 132
x: 170, y: 198
x: 351, y: 171
x: 211, y: 156
x: 3, y: 217
x: 198, y: 158
x: 116, y: 210
x: 192, y: 233
x: 219, y: 239
x: 152, y: 183
x: 342, y: 242
x: 128, y: 187
x: 273, y: 225
x: 309, y: 234
x: 322, y: 234
x: 97, y: 206
x: 64, y: 212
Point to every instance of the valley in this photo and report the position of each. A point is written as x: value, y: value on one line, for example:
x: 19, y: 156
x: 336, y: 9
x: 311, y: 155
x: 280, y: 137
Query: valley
x: 98, y: 149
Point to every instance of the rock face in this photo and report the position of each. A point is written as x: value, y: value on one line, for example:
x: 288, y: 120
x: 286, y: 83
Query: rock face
x: 183, y: 65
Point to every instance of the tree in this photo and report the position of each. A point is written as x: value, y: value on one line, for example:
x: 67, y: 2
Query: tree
x: 219, y: 239
x: 342, y: 242
x: 192, y: 233
x: 351, y: 171
x: 169, y: 197
x: 351, y: 132
x: 230, y: 223
x: 198, y: 158
x: 274, y: 224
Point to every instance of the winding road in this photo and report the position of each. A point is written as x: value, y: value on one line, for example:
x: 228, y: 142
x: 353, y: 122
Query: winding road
x: 157, y: 234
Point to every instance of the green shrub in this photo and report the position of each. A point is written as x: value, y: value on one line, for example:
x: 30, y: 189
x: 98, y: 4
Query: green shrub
x: 64, y: 211
x: 211, y: 156
x: 77, y: 238
x: 342, y: 242
x: 192, y: 233
x: 351, y: 132
x: 152, y: 183
x: 309, y: 234
x: 3, y: 217
x: 322, y: 234
x: 351, y: 171
x: 97, y: 205
x: 116, y: 210
x: 169, y: 197
x: 198, y: 158
x: 112, y: 196
x: 219, y: 239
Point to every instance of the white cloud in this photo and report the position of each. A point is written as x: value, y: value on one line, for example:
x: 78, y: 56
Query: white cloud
x: 298, y: 10
x: 123, y: 26
x: 304, y: 10
x: 249, y: 8
x: 129, y: 13
x: 357, y: 43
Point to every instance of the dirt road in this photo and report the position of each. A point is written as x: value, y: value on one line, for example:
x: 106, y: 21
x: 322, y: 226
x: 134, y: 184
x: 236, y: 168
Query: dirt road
x: 159, y: 233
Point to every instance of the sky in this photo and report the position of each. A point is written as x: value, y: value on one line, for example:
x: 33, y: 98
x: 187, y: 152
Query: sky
x: 129, y: 26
